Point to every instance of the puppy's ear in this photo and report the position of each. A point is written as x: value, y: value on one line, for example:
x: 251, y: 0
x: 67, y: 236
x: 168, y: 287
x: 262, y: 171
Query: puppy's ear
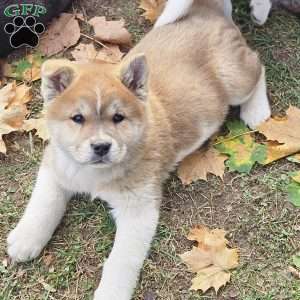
x: 134, y: 75
x: 57, y: 75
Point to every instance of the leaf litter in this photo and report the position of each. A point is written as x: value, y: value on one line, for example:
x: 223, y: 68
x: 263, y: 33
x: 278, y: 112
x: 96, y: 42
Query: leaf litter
x: 13, y: 110
x: 109, y: 53
x: 26, y: 69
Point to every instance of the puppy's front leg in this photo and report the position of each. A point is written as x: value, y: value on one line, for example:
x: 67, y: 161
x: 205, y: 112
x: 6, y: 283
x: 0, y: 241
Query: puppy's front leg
x: 43, y: 213
x: 136, y: 224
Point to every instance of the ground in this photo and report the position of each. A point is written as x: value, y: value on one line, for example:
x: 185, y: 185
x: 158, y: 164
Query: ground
x: 254, y: 208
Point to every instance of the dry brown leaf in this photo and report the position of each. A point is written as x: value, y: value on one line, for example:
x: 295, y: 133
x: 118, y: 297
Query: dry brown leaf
x: 276, y: 151
x: 39, y: 125
x: 213, y: 238
x: 283, y: 135
x: 48, y: 259
x: 211, y: 259
x: 294, y: 272
x: 152, y: 8
x: 198, y: 164
x: 85, y: 52
x: 110, y: 31
x: 63, y: 33
x: 79, y: 16
x: 111, y: 54
x: 13, y: 109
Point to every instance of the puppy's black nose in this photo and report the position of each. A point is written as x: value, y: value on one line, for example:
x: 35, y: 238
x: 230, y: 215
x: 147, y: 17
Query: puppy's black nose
x: 101, y: 149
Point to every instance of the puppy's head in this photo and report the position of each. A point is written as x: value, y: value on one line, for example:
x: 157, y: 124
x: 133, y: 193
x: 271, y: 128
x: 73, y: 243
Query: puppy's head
x: 96, y: 112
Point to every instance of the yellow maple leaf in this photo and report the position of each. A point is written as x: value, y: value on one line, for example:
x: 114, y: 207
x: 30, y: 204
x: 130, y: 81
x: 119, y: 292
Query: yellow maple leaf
x: 152, y: 8
x: 198, y: 164
x: 212, y: 276
x: 211, y: 259
x: 283, y: 135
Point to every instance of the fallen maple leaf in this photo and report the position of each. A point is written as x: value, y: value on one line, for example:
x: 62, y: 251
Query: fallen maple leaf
x: 110, y: 31
x: 13, y: 109
x: 198, y: 164
x: 109, y: 53
x: 283, y: 135
x: 241, y: 147
x: 152, y: 8
x: 211, y: 259
x: 63, y: 33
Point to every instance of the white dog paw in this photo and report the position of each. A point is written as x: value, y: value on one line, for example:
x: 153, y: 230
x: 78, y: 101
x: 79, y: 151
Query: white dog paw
x: 253, y: 118
x: 23, y: 244
x: 260, y: 10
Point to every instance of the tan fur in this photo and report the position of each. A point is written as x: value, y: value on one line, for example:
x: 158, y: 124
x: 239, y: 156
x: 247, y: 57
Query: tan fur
x: 197, y: 67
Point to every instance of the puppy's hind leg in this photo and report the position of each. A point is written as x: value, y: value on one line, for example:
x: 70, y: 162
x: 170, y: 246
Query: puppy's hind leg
x: 257, y: 108
x: 174, y: 10
x: 260, y: 10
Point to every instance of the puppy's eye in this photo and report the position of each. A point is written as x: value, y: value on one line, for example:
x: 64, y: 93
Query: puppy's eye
x: 79, y: 119
x: 118, y: 118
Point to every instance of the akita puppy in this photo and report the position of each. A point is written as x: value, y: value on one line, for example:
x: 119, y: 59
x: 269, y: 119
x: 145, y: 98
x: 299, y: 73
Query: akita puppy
x: 117, y: 130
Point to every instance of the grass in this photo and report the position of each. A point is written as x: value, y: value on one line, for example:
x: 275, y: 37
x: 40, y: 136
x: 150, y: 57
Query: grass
x: 253, y: 208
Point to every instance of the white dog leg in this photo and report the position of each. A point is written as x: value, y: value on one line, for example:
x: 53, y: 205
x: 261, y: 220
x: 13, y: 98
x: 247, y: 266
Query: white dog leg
x: 260, y: 10
x: 43, y: 213
x: 257, y: 109
x: 174, y: 10
x: 136, y: 226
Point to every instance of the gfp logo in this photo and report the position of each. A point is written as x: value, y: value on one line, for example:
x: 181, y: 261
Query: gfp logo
x: 24, y: 30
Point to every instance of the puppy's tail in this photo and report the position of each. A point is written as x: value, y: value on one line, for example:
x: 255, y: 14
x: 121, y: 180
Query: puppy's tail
x: 174, y: 10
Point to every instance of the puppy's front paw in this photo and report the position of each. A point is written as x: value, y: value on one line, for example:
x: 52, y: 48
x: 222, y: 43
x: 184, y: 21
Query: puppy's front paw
x: 24, y: 243
x: 260, y: 10
x: 253, y: 118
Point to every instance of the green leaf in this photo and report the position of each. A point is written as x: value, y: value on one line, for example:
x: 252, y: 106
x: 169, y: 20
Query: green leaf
x: 294, y: 193
x: 244, y: 152
x: 296, y: 176
x: 294, y: 158
x: 27, y: 68
x: 21, y: 67
x: 296, y: 260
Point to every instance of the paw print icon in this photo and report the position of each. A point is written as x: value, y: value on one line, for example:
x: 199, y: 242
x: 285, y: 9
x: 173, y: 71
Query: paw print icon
x: 24, y: 31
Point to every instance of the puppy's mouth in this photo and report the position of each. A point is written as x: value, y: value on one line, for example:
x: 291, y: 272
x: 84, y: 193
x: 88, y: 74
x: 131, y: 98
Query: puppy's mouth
x: 99, y: 161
